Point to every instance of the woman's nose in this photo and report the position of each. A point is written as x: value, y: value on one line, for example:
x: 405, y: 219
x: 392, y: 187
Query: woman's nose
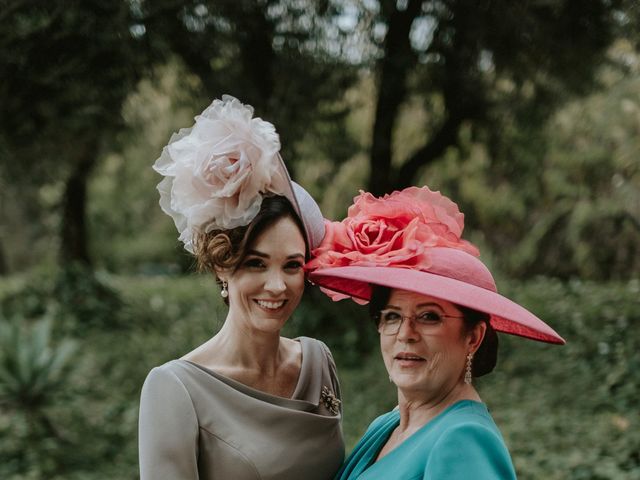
x: 275, y: 283
x: 407, y: 331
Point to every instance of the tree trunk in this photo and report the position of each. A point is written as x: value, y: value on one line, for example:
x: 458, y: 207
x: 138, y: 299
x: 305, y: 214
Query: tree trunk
x: 4, y: 267
x: 446, y: 136
x: 74, y: 237
x: 398, y: 58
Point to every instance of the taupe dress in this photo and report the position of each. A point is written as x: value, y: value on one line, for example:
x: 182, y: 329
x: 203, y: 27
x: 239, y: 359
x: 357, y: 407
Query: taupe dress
x: 198, y: 424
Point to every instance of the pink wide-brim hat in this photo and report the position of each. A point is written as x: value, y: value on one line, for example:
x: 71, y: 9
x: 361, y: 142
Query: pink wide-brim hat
x: 454, y: 276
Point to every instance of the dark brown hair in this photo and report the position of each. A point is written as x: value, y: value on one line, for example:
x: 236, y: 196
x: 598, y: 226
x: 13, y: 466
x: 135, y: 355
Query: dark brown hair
x: 226, y: 249
x: 485, y: 358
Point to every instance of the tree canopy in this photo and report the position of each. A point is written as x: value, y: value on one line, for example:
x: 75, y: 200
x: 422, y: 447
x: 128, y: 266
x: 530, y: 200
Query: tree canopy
x: 483, y: 63
x: 67, y: 69
x: 461, y: 95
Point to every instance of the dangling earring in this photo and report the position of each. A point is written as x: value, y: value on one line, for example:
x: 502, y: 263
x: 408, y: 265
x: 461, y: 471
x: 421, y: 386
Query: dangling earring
x: 224, y: 293
x: 467, y: 372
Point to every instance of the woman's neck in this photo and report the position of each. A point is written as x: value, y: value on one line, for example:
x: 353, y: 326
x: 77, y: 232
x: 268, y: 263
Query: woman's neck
x: 261, y: 360
x: 253, y: 350
x: 417, y: 409
x: 234, y: 348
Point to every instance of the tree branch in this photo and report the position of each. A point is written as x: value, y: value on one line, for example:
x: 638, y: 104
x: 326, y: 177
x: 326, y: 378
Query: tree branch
x: 431, y: 151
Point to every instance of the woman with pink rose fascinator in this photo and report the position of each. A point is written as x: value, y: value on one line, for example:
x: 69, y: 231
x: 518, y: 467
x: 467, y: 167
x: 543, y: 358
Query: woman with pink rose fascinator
x: 247, y: 403
x: 437, y: 311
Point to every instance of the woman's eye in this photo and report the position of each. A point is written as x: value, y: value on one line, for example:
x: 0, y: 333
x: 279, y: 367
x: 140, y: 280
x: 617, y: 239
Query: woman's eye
x: 390, y: 317
x: 429, y: 317
x: 293, y: 265
x: 253, y: 263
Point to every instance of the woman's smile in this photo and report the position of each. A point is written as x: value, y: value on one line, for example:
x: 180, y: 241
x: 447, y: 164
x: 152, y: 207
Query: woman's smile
x: 271, y: 305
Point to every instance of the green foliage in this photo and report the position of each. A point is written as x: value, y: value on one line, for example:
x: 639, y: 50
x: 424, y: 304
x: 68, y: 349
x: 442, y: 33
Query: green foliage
x: 571, y: 412
x: 555, y: 194
x: 83, y: 299
x: 281, y: 57
x: 561, y: 202
x: 35, y: 374
x: 566, y: 412
x: 75, y: 297
x: 67, y: 69
x: 31, y: 370
x: 123, y: 200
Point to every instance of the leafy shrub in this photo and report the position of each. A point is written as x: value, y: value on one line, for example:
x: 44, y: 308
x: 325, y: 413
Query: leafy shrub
x: 31, y: 370
x: 566, y: 412
x: 73, y: 296
x: 33, y: 376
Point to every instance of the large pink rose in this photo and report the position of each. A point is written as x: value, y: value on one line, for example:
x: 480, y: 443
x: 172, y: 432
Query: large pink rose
x: 217, y: 171
x: 395, y: 230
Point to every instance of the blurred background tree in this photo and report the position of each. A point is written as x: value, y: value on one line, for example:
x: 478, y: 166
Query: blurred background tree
x: 282, y: 57
x: 376, y: 95
x: 66, y: 70
x: 468, y: 67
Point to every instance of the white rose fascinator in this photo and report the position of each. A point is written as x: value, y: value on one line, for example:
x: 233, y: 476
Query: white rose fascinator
x: 218, y: 171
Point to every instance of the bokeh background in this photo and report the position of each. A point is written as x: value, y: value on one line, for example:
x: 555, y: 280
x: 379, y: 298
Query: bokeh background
x: 526, y: 113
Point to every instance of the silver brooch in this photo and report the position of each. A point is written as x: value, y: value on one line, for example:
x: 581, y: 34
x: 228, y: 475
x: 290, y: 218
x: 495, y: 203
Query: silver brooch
x: 330, y: 401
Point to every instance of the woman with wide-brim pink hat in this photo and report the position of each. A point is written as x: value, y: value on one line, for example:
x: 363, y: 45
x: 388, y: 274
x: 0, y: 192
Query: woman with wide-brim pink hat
x: 437, y: 310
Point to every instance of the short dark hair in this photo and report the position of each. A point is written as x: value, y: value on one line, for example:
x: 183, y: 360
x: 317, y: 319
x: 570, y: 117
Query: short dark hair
x: 485, y: 358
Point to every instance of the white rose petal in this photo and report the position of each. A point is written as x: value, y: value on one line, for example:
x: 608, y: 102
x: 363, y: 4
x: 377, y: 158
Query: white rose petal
x: 217, y: 171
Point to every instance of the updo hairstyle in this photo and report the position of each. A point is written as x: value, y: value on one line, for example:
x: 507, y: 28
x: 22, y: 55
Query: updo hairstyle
x: 226, y: 249
x: 486, y: 356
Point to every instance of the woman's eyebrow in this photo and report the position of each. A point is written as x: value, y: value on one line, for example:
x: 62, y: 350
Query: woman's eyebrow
x: 430, y: 304
x: 427, y: 304
x: 257, y: 253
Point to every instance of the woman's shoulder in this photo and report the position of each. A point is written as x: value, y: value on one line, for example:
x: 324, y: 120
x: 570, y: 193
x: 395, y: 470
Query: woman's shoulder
x: 314, y: 342
x: 319, y: 368
x: 470, y: 424
x: 469, y: 443
x: 174, y: 374
x: 317, y: 350
x: 171, y: 367
x: 167, y: 389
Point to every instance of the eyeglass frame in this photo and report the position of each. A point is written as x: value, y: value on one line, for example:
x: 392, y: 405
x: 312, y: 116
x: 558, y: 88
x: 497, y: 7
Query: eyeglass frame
x: 413, y: 318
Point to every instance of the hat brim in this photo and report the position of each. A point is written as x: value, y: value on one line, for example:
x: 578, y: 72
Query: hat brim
x: 506, y: 315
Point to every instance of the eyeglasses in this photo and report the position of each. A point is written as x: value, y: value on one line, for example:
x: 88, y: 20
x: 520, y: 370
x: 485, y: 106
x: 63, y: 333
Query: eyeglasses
x: 389, y: 321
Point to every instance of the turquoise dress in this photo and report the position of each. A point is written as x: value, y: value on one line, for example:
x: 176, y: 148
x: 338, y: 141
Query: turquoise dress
x: 461, y: 443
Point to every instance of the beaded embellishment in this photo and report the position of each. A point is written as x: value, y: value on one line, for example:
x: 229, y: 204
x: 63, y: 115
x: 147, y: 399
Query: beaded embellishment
x: 330, y: 401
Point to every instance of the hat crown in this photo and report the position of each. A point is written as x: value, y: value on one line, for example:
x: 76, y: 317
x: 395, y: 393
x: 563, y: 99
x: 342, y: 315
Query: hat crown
x: 310, y: 215
x: 461, y: 266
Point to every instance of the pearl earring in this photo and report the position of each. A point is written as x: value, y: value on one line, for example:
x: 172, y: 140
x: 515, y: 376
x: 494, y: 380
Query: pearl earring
x: 224, y: 293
